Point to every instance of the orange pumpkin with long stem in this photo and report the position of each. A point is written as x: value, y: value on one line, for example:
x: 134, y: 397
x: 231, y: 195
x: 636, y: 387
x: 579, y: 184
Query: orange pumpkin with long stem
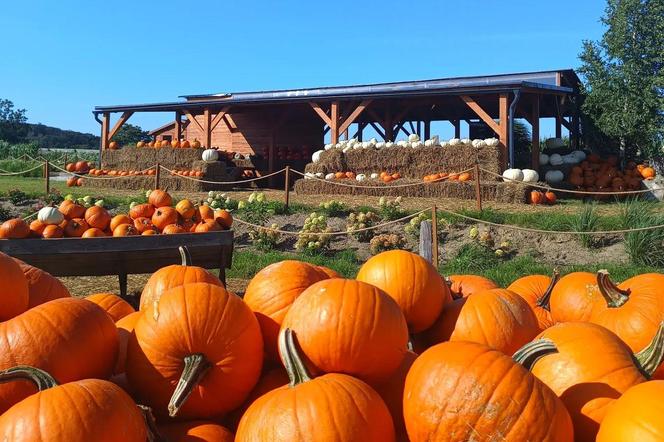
x: 174, y: 276
x: 536, y: 291
x: 99, y: 411
x: 574, y: 296
x: 464, y: 390
x: 200, y: 339
x: 325, y: 319
x: 116, y: 307
x: 462, y: 286
x: 272, y: 291
x: 590, y: 368
x: 14, y: 289
x: 71, y: 338
x: 412, y: 282
x: 309, y: 408
x: 42, y: 286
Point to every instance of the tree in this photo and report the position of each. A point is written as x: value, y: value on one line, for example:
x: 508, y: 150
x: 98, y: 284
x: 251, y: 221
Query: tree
x: 12, y: 122
x: 623, y: 91
x: 130, y: 134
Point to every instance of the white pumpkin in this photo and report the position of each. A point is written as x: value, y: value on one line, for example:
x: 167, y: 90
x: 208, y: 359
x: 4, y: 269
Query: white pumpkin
x: 444, y: 144
x: 492, y: 142
x: 346, y: 149
x: 570, y: 159
x: 210, y: 155
x: 380, y: 145
x: 530, y: 176
x: 556, y: 159
x: 328, y: 146
x: 554, y: 176
x: 50, y: 215
x: 513, y: 175
x: 428, y: 143
x: 416, y: 144
x: 413, y: 137
x: 579, y: 154
x: 402, y: 143
x: 389, y: 144
x: 319, y: 175
x: 467, y: 141
x: 374, y: 176
x: 316, y: 156
x: 329, y: 176
x: 454, y: 142
x: 360, y: 177
x: 543, y: 159
x: 308, y: 175
x: 478, y: 143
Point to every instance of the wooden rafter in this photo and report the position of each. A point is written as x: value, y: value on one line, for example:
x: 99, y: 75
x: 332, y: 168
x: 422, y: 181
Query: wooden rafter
x: 123, y: 119
x: 378, y: 129
x: 217, y: 118
x: 412, y: 127
x: 105, y: 122
x: 481, y: 113
x: 321, y: 113
x: 353, y: 115
x: 230, y: 122
x: 193, y: 120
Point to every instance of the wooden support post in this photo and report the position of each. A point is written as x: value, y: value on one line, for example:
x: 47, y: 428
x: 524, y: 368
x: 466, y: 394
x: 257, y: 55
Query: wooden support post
x: 65, y: 158
x: 388, y: 125
x: 122, y: 281
x: 271, y: 153
x: 503, y: 134
x: 426, y: 241
x: 434, y: 237
x: 178, y: 125
x: 574, y: 136
x: 334, y: 122
x: 535, y: 123
x: 478, y: 187
x: 157, y: 176
x: 457, y: 128
x: 427, y: 129
x: 287, y: 188
x: 47, y: 181
x: 105, y: 124
x: 360, y: 130
x: 207, y: 125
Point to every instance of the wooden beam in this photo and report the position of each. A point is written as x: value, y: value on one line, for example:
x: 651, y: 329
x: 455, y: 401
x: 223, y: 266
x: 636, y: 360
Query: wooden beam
x: 481, y: 113
x: 178, y: 125
x: 535, y: 123
x: 566, y: 124
x: 218, y: 117
x: 321, y: 113
x: 123, y: 119
x: 207, y: 123
x: 353, y: 115
x: 105, y: 123
x: 412, y: 127
x: 193, y: 120
x: 503, y: 133
x: 457, y: 128
x: 230, y: 122
x: 379, y: 130
x: 427, y: 129
x: 559, y: 127
x: 334, y: 122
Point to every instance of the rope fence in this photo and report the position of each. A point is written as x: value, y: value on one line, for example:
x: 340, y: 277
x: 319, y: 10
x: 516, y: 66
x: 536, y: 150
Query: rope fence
x: 223, y: 182
x: 359, y: 186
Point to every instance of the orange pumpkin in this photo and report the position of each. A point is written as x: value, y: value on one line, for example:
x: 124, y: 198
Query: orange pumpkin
x: 224, y: 218
x: 125, y: 327
x: 207, y: 226
x: 204, y: 213
x: 574, y: 296
x: 37, y: 228
x: 465, y: 176
x: 113, y: 145
x: 648, y: 173
x: 329, y: 272
x: 125, y: 230
x: 202, y: 338
x: 76, y: 227
x: 550, y: 197
x: 201, y: 431
x: 42, y: 287
x: 272, y: 291
x: 120, y: 219
x: 164, y: 216
x: 312, y: 406
x: 15, y: 228
x: 484, y: 394
x: 185, y: 208
x: 93, y: 232
x: 536, y: 197
x: 269, y: 380
x: 324, y: 319
x: 141, y: 224
x: 116, y: 307
x: 391, y: 392
x: 71, y: 210
x: 98, y: 217
x: 149, y: 232
x: 340, y: 175
x: 536, y: 291
x: 14, y: 289
x: 185, y: 144
x: 173, y: 229
x: 141, y: 211
x: 53, y: 231
x: 158, y: 198
x: 462, y: 286
x: 412, y: 282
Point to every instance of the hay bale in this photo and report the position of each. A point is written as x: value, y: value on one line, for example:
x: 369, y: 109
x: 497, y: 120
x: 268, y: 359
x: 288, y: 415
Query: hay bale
x: 132, y: 158
x: 411, y: 163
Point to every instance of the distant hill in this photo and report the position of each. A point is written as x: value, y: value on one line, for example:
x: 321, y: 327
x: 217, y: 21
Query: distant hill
x: 53, y: 138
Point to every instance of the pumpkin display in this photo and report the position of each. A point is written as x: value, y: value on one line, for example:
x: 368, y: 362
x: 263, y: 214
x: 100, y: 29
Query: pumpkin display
x: 116, y: 307
x: 202, y: 431
x: 14, y: 290
x: 272, y: 291
x: 15, y: 228
x: 636, y: 415
x: 70, y: 338
x: 333, y: 407
x: 75, y: 228
x: 164, y: 216
x: 53, y: 231
x: 464, y: 390
x: 98, y: 217
x: 93, y: 232
x: 120, y: 219
x: 174, y: 276
x: 202, y: 338
x: 497, y: 318
x: 141, y: 211
x: 574, y: 296
x: 536, y: 291
x: 158, y: 198
x: 50, y: 215
x: 462, y: 286
x: 102, y: 412
x: 323, y: 318
x: 125, y: 326
x: 412, y: 282
x: 42, y: 287
x: 588, y: 382
x: 185, y: 208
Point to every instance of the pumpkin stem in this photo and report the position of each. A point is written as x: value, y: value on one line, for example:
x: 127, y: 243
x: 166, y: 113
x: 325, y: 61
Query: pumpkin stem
x: 195, y: 368
x: 297, y: 371
x: 614, y: 296
x: 546, y: 297
x: 150, y: 424
x: 533, y: 351
x: 185, y: 255
x: 651, y: 357
x: 41, y: 379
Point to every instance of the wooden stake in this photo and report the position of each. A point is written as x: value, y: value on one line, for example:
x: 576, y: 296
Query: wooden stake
x: 287, y: 187
x: 478, y: 188
x: 426, y: 240
x: 46, y: 178
x: 434, y: 237
x: 157, y: 176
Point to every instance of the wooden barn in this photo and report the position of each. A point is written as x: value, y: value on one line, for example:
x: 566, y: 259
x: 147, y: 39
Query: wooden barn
x: 283, y: 127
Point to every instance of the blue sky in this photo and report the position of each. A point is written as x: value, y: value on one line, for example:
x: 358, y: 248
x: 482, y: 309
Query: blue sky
x: 62, y: 58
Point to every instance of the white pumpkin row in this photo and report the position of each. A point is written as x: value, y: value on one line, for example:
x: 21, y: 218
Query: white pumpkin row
x: 525, y: 175
x: 556, y: 159
x: 359, y: 177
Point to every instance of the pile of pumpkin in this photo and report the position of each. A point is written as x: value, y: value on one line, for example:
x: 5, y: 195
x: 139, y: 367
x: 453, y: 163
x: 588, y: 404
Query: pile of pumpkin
x: 465, y: 176
x: 395, y: 354
x: 158, y: 215
x: 539, y: 197
x: 113, y: 172
x: 603, y: 175
x: 175, y: 144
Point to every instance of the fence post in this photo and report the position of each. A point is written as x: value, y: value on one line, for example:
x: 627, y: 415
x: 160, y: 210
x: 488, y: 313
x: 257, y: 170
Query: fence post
x: 287, y: 187
x: 426, y: 239
x: 46, y: 178
x: 65, y: 158
x: 157, y: 175
x: 478, y: 188
x: 434, y: 237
